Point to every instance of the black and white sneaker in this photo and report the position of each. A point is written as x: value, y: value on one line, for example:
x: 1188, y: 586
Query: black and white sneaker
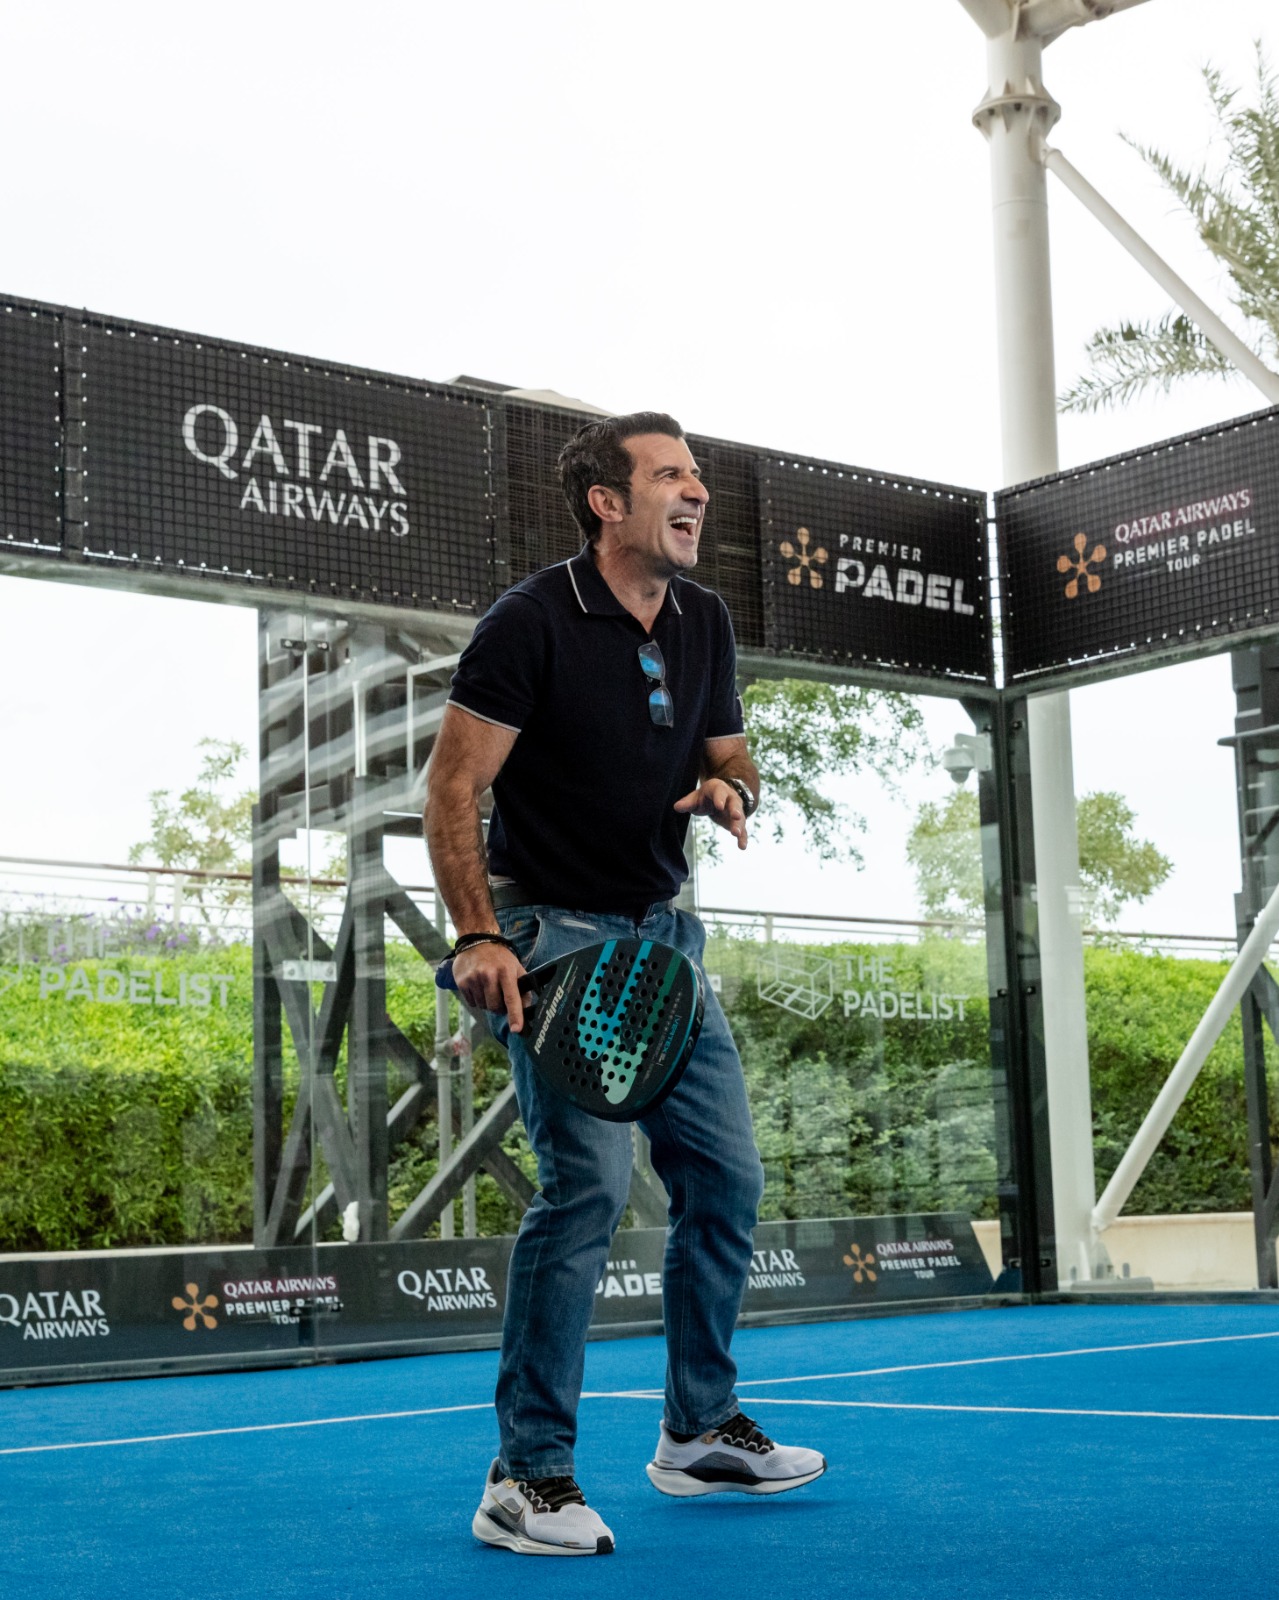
x: 738, y: 1458
x: 539, y: 1517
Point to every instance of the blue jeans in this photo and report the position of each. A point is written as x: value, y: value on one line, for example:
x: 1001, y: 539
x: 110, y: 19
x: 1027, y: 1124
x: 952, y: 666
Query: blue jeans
x: 704, y: 1152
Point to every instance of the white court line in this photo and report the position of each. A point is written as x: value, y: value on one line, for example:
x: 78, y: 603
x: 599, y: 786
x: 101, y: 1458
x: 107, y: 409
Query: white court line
x: 256, y: 1427
x: 1020, y: 1411
x: 656, y: 1394
x: 314, y: 1422
x: 986, y: 1361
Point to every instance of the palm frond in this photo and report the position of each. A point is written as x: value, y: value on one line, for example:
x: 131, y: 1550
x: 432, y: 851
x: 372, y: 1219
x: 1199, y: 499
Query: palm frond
x: 1125, y: 361
x: 1236, y: 215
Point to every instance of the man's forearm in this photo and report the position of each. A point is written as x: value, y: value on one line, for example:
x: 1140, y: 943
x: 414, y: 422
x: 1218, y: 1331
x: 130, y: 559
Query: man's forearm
x: 459, y: 861
x: 733, y: 761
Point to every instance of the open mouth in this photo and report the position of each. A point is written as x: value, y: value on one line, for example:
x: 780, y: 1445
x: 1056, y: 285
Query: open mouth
x: 685, y: 524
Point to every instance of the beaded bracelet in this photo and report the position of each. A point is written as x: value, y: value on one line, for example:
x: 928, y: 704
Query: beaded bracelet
x: 464, y: 941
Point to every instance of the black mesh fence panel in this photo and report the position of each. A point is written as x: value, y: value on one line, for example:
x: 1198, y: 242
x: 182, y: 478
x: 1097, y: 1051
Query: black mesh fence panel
x: 244, y: 465
x: 880, y: 572
x: 1143, y: 554
x: 142, y: 449
x: 30, y: 428
x: 729, y: 560
x: 541, y: 529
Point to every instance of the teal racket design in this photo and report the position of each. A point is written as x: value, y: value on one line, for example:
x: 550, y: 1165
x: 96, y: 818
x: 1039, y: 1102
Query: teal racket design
x: 611, y: 1026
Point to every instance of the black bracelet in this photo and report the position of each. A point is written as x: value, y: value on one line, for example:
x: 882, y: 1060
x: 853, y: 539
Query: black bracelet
x: 464, y: 941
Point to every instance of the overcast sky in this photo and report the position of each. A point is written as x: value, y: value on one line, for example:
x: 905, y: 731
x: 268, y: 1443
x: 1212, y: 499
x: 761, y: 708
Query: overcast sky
x: 773, y: 222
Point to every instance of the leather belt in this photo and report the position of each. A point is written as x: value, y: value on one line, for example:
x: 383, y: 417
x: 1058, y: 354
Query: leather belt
x: 507, y: 896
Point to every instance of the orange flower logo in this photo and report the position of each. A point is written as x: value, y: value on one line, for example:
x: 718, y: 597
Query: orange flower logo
x: 805, y: 560
x: 197, y: 1308
x: 863, y: 1265
x: 1080, y: 564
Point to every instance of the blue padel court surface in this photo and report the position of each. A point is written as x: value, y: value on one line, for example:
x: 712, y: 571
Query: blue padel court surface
x: 1069, y: 1451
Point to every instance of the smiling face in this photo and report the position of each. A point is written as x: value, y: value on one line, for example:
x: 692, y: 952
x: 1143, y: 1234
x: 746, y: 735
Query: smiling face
x: 668, y: 503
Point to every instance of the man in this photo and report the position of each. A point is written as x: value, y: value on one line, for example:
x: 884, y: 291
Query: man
x: 598, y: 699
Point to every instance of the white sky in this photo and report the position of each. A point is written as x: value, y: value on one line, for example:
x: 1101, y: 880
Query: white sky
x: 772, y: 222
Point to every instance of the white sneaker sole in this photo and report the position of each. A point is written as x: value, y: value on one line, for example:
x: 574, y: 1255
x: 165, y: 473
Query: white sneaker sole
x: 490, y: 1532
x: 670, y: 1480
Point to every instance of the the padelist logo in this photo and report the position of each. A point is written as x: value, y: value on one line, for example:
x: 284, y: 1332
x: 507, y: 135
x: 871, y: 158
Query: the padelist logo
x: 806, y: 560
x: 1080, y: 564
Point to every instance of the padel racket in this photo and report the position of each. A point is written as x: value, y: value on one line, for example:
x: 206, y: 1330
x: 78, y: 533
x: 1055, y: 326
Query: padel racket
x: 611, y: 1026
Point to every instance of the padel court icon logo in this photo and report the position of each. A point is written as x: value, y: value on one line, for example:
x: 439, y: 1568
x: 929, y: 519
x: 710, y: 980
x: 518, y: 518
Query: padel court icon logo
x: 806, y: 560
x: 198, y: 1308
x: 863, y: 1265
x: 1080, y: 564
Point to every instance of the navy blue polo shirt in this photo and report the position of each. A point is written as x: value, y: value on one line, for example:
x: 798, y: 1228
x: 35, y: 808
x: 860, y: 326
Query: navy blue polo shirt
x: 583, y: 814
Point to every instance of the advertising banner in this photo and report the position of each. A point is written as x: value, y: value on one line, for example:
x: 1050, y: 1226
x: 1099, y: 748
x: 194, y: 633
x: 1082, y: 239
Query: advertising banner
x: 1143, y: 553
x: 194, y: 1307
x: 861, y: 569
x: 30, y: 429
x: 222, y: 463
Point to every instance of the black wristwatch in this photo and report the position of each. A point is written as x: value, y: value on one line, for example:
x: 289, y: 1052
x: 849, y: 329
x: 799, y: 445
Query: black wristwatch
x: 749, y: 802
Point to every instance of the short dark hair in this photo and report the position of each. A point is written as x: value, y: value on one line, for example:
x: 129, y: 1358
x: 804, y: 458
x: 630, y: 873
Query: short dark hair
x: 597, y: 454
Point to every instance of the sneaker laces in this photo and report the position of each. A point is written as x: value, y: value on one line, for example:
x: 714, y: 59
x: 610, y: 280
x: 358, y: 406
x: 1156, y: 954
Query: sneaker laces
x: 550, y: 1494
x: 746, y: 1434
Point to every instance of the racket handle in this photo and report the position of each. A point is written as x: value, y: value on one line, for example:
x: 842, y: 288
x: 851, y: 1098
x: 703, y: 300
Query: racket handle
x: 444, y: 979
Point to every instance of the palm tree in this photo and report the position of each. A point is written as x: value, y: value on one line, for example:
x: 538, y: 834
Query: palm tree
x: 1236, y: 214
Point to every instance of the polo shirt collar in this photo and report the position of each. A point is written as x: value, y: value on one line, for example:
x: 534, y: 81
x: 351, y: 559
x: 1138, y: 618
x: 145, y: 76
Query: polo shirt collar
x: 594, y: 595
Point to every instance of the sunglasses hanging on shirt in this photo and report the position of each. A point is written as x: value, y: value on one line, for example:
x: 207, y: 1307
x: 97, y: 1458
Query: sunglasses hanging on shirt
x: 661, y: 708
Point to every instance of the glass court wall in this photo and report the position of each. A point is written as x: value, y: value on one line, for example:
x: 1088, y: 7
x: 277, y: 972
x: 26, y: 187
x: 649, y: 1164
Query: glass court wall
x: 230, y: 1109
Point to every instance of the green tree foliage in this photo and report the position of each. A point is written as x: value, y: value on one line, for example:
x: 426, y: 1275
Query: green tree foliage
x: 207, y: 827
x: 802, y: 733
x: 944, y: 850
x: 1235, y: 212
x: 126, y: 1125
x: 1115, y: 866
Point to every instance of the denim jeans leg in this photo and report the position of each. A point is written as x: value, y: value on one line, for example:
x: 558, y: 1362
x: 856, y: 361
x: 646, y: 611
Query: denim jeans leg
x: 584, y: 1168
x: 704, y: 1151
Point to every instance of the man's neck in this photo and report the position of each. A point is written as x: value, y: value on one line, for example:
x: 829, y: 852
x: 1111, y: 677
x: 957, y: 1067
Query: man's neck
x: 634, y: 584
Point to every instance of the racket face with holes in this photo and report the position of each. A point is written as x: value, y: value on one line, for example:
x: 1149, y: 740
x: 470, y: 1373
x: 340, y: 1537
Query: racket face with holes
x: 614, y: 1024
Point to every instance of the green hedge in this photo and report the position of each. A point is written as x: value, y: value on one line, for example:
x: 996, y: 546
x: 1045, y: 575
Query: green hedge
x: 132, y: 1125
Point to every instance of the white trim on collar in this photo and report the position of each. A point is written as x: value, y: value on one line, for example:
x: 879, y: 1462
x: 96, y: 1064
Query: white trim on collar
x: 572, y: 578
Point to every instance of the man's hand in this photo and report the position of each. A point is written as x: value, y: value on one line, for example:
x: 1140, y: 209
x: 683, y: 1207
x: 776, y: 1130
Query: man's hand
x: 487, y: 978
x: 721, y: 802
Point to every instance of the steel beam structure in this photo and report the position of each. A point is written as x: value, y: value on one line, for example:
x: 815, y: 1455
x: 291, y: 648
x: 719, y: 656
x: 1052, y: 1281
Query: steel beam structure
x: 1018, y: 1061
x: 1256, y: 748
x: 348, y: 713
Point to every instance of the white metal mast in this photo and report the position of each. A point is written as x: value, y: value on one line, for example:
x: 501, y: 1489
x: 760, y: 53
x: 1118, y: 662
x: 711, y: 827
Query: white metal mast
x: 1015, y: 117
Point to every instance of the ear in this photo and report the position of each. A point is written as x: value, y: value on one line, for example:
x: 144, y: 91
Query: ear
x: 605, y: 503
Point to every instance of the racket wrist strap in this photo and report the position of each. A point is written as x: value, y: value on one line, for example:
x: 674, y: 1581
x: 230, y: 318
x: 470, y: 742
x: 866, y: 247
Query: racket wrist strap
x: 464, y: 941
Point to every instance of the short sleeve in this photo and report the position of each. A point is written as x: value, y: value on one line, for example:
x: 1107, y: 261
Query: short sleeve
x: 725, y: 719
x: 501, y: 670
